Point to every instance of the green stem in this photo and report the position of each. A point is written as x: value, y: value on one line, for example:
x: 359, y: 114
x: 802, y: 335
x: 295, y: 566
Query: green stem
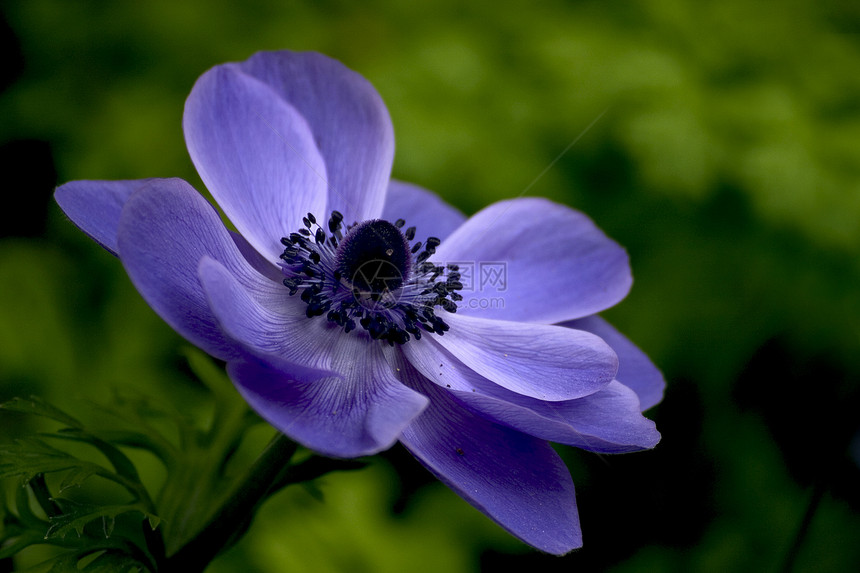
x: 237, y: 511
x: 818, y: 491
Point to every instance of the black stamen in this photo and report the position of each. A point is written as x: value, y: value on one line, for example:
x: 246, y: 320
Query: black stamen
x: 335, y: 221
x: 371, y: 276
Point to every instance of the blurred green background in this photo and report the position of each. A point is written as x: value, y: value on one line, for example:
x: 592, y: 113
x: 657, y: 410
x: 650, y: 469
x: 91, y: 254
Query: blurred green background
x: 725, y: 156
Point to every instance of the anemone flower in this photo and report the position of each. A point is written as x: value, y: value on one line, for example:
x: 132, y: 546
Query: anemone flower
x: 355, y: 311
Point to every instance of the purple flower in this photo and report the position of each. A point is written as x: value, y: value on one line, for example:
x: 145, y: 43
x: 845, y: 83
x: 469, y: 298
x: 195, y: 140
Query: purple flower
x: 337, y: 320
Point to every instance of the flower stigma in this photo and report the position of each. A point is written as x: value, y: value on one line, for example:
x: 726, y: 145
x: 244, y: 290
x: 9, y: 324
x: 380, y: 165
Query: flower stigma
x: 369, y: 274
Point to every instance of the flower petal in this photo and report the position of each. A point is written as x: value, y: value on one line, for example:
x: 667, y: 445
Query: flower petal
x: 165, y: 228
x: 535, y: 261
x: 256, y: 155
x: 361, y: 412
x: 516, y: 480
x: 264, y: 266
x: 95, y: 206
x: 349, y: 121
x: 540, y: 361
x: 608, y: 421
x: 356, y: 408
x: 422, y: 209
x: 266, y: 320
x: 635, y: 369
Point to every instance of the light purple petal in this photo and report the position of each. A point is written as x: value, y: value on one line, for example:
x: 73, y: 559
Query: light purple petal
x: 256, y: 155
x: 349, y: 121
x: 422, y: 209
x: 532, y: 260
x: 608, y: 421
x: 516, y: 480
x: 264, y: 266
x: 361, y: 412
x: 635, y: 369
x: 164, y: 230
x: 95, y: 206
x: 266, y: 320
x: 540, y: 361
x: 357, y: 408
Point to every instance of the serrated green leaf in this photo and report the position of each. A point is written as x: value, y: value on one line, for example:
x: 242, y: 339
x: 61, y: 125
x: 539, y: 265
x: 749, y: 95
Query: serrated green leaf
x: 152, y: 442
x: 120, y: 462
x: 29, y: 457
x: 76, y: 516
x: 129, y: 424
x: 38, y: 407
x: 75, y: 477
x: 108, y: 523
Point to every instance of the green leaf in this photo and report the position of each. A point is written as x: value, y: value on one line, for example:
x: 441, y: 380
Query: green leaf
x: 38, y: 407
x: 25, y: 514
x: 105, y: 561
x: 66, y: 563
x: 118, y: 460
x: 25, y: 539
x: 113, y: 562
x: 76, y: 516
x: 76, y: 477
x: 28, y: 457
x: 126, y: 421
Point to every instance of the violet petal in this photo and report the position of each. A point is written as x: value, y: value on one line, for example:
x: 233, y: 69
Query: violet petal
x: 536, y: 261
x: 516, y: 480
x: 607, y: 421
x: 359, y: 413
x: 164, y: 230
x: 256, y: 155
x: 349, y: 120
x: 266, y: 320
x: 264, y: 266
x: 540, y: 361
x: 95, y: 206
x: 635, y: 369
x: 422, y: 209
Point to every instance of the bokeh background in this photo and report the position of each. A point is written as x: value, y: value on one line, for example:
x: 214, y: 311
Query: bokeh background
x: 719, y: 141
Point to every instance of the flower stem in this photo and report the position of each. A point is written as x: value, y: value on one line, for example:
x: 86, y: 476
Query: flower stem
x: 229, y: 522
x: 818, y: 491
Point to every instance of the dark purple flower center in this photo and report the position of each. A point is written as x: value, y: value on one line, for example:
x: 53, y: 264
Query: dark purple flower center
x: 372, y: 276
x: 374, y: 256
